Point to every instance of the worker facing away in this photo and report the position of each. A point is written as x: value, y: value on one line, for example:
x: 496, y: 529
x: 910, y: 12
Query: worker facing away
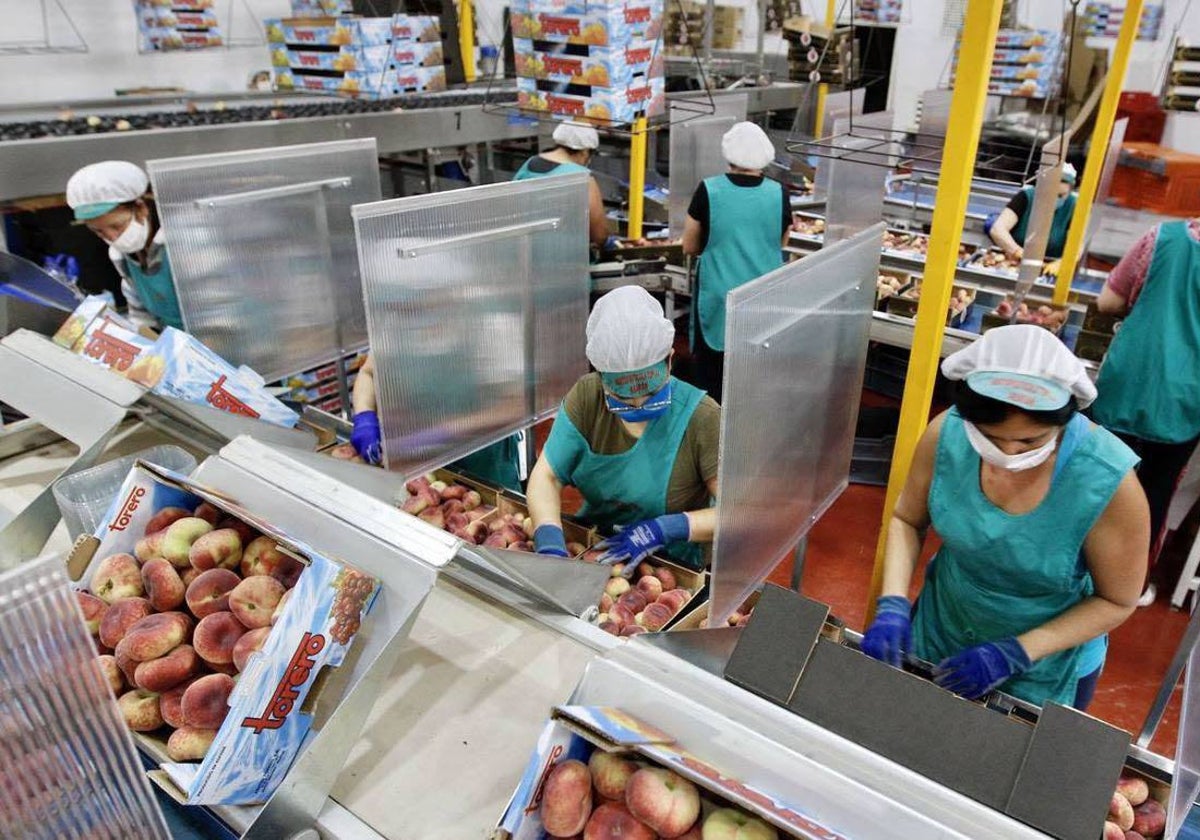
x: 1011, y: 227
x: 497, y: 464
x: 112, y: 199
x: 737, y: 223
x: 1149, y: 383
x: 1044, y: 529
x: 574, y: 146
x: 638, y: 444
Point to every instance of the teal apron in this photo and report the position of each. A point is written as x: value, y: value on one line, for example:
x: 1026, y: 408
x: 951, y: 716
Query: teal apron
x: 1149, y: 383
x: 1059, y: 225
x: 998, y: 574
x: 495, y: 464
x: 743, y: 245
x: 632, y: 486
x: 156, y: 290
x: 525, y: 173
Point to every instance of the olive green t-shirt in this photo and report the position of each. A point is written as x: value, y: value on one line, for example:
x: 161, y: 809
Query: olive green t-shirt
x: 695, y: 463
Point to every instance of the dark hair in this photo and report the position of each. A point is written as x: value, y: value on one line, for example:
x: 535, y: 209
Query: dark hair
x: 977, y: 408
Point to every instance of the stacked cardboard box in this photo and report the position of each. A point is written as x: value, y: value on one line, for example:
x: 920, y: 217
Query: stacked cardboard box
x: 880, y: 11
x: 1026, y: 62
x: 322, y: 8
x: 817, y: 55
x: 686, y: 21
x: 177, y: 25
x: 417, y: 61
x: 343, y: 55
x: 1103, y: 20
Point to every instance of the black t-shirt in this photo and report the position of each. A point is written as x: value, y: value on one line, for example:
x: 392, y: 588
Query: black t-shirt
x: 542, y: 165
x: 698, y: 209
x: 1019, y: 203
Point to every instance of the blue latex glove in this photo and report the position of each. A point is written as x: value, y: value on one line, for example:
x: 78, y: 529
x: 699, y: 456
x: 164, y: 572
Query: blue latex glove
x: 634, y: 543
x: 366, y: 437
x: 549, y: 539
x: 977, y: 670
x: 890, y: 635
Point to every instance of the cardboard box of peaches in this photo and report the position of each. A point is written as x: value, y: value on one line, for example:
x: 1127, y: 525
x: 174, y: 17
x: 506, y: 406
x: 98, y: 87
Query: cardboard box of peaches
x: 214, y: 630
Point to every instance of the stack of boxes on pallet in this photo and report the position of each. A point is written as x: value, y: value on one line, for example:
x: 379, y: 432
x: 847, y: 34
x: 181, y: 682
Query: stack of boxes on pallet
x: 879, y: 11
x: 318, y: 386
x: 778, y: 12
x: 1027, y: 62
x: 418, y: 62
x: 816, y: 55
x: 599, y: 61
x: 177, y: 25
x: 1103, y: 20
x: 683, y: 31
x: 1158, y: 179
x: 1180, y: 92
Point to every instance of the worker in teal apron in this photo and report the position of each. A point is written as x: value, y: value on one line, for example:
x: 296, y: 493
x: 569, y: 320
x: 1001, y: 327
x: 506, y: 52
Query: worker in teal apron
x: 1044, y: 530
x: 638, y: 444
x: 734, y: 224
x: 110, y: 197
x: 1150, y: 381
x: 1009, y: 229
x: 574, y: 146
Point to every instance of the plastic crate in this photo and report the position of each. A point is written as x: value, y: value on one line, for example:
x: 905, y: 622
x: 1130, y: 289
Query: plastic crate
x: 1152, y: 177
x: 83, y: 497
x: 874, y: 440
x: 886, y: 368
x: 1147, y: 119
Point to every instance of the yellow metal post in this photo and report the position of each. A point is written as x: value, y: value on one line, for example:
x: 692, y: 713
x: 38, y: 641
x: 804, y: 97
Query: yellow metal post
x: 823, y: 88
x: 1105, y: 116
x: 954, y: 188
x: 466, y: 37
x: 637, y: 178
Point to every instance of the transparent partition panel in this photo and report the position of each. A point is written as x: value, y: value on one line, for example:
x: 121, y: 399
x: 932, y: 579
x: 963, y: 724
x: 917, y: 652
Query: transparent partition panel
x: 1185, y: 785
x: 476, y: 304
x: 695, y: 155
x: 856, y: 186
x: 262, y: 250
x: 1111, y: 156
x: 795, y: 349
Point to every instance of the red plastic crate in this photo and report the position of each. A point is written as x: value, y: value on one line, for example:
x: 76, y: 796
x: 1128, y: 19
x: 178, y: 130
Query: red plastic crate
x: 1151, y: 177
x: 1147, y: 119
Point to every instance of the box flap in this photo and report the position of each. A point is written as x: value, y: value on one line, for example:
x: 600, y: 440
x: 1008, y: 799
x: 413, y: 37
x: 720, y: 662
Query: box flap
x: 606, y: 723
x: 776, y: 643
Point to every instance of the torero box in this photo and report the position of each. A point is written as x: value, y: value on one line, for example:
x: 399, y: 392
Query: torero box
x: 600, y: 105
x: 597, y: 27
x: 577, y: 64
x: 267, y: 715
x: 417, y: 54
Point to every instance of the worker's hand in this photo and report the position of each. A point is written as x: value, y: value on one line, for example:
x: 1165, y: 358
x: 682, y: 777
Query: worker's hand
x: 549, y: 539
x: 366, y: 437
x: 977, y: 670
x: 634, y: 543
x: 890, y: 635
x: 1016, y: 253
x: 1050, y: 269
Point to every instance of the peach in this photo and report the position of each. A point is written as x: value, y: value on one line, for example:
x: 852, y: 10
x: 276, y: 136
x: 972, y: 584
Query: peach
x: 651, y: 587
x: 246, y: 533
x: 566, y: 799
x: 166, y: 672
x: 220, y: 549
x: 455, y: 492
x: 163, y: 519
x: 611, y: 626
x: 93, y: 610
x: 612, y: 821
x: 665, y: 801
x: 210, y: 513
x: 1149, y: 818
x: 178, y: 538
x: 254, y: 599
x: 618, y: 569
x: 472, y: 500
x: 128, y: 666
x: 610, y: 774
x: 149, y: 547
x: 645, y: 570
x: 164, y: 588
x: 732, y: 824
x: 170, y: 703
x: 112, y: 673
x: 120, y: 617
x: 264, y: 557
x: 655, y: 616
x: 117, y: 576
x: 155, y: 635
x: 606, y: 602
x: 248, y: 644
x: 632, y: 630
x: 621, y: 615
x: 216, y: 636
x: 209, y: 592
x: 675, y: 598
x: 634, y: 601
x: 206, y: 701
x: 140, y: 710
x: 189, y: 743
x: 1134, y: 789
x: 278, y: 611
x: 1120, y: 811
x: 1132, y: 835
x: 666, y: 577
x: 1112, y: 831
x: 696, y: 832
x: 187, y: 576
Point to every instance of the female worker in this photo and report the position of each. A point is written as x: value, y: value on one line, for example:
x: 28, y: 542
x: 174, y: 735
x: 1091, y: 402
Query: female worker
x: 638, y: 444
x: 1150, y: 381
x: 1010, y: 228
x: 111, y: 199
x: 574, y: 146
x: 497, y: 464
x: 734, y: 223
x: 1044, y: 529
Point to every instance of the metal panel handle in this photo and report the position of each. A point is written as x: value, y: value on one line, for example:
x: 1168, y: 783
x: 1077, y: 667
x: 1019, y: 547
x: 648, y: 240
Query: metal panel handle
x: 474, y: 238
x: 272, y: 192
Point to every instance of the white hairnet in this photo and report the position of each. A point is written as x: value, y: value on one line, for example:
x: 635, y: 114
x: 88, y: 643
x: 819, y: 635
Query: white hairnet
x: 1024, y: 349
x: 576, y: 136
x: 747, y: 146
x: 627, y: 331
x: 99, y: 187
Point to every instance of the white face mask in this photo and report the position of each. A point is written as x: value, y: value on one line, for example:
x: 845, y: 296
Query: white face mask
x: 133, y: 238
x: 993, y: 455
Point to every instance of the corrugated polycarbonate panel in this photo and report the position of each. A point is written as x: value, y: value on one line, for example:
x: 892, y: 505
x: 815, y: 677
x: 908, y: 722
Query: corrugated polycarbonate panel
x: 795, y: 349
x: 67, y: 762
x: 695, y: 155
x: 262, y: 248
x: 476, y: 305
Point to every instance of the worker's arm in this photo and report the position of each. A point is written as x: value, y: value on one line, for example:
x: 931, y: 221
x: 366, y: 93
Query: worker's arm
x: 910, y: 519
x: 1001, y: 234
x: 692, y: 235
x: 702, y: 523
x: 1110, y: 302
x: 1127, y: 278
x: 597, y: 223
x: 544, y: 495
x: 1116, y: 549
x: 363, y: 398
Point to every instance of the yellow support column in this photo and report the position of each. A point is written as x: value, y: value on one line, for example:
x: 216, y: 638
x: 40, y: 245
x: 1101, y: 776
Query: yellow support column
x: 466, y: 37
x: 823, y: 88
x: 1105, y: 116
x: 637, y: 178
x: 954, y: 188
